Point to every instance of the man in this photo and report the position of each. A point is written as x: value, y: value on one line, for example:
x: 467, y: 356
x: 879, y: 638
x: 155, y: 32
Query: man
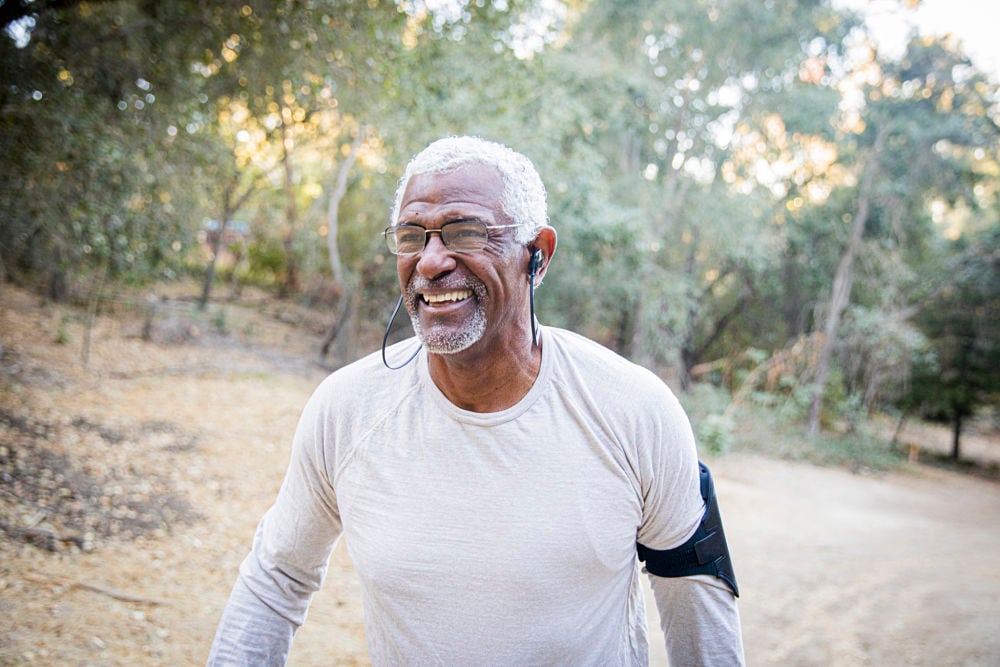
x: 494, y: 490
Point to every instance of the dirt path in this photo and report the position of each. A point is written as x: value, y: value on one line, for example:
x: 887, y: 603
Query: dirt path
x: 835, y: 568
x: 842, y: 569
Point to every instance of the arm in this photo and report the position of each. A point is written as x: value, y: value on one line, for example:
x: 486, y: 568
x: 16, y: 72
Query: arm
x: 698, y: 612
x: 288, y: 560
x: 272, y: 593
x: 700, y: 620
x: 250, y: 632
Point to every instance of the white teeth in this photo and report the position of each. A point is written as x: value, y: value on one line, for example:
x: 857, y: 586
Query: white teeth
x: 456, y: 295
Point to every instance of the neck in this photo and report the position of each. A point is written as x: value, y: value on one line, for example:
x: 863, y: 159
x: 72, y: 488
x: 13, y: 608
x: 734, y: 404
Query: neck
x: 487, y: 380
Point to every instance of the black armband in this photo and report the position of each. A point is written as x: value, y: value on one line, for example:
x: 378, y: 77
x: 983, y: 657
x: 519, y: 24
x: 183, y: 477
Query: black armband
x: 706, y: 552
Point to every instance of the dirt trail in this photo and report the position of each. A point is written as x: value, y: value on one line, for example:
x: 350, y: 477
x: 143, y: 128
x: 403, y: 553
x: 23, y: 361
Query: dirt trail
x: 835, y: 568
x: 843, y: 569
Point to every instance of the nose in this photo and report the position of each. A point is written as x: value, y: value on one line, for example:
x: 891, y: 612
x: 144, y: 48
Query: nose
x: 435, y: 259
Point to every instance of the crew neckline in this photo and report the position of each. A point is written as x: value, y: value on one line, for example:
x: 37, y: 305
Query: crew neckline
x: 489, y: 418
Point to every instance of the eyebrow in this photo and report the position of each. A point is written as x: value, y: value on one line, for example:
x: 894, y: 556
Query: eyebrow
x: 467, y: 218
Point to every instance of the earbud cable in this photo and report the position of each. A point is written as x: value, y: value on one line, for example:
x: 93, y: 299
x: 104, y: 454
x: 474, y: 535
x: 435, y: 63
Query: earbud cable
x: 385, y: 338
x: 531, y: 299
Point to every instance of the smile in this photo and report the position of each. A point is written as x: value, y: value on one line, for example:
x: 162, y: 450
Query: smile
x: 446, y: 297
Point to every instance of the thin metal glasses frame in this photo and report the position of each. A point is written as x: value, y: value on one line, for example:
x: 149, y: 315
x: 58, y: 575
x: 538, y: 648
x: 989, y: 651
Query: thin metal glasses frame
x: 391, y: 242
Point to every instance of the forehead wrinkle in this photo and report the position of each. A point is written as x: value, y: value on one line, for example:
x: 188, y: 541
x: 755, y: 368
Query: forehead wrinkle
x: 448, y: 213
x: 434, y: 219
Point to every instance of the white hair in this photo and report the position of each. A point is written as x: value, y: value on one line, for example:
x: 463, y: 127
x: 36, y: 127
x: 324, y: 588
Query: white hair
x: 523, y: 196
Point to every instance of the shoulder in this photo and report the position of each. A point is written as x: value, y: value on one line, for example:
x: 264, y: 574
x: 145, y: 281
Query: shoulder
x: 365, y: 386
x: 348, y: 404
x: 586, y: 363
x: 626, y: 399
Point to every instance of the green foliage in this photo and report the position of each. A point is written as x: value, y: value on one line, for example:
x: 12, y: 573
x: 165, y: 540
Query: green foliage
x: 219, y: 318
x: 63, y: 336
x: 764, y: 431
x: 962, y: 323
x: 265, y: 262
x: 771, y: 425
x: 789, y: 401
x: 708, y: 409
x: 85, y: 182
x: 695, y: 220
x: 715, y: 433
x: 876, y: 352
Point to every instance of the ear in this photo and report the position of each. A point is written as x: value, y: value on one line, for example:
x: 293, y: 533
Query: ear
x: 545, y: 242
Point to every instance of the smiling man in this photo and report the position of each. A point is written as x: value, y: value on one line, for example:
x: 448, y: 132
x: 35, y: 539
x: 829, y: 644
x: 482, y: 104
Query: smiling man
x: 497, y: 492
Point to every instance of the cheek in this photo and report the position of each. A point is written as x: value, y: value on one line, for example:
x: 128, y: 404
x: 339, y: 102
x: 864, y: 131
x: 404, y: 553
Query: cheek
x: 512, y: 284
x: 404, y: 269
x: 501, y: 275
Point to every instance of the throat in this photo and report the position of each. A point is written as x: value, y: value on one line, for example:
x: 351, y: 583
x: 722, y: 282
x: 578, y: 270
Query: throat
x: 485, y: 384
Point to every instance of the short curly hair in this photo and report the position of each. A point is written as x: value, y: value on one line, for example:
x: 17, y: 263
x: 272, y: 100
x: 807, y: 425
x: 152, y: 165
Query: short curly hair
x: 523, y: 197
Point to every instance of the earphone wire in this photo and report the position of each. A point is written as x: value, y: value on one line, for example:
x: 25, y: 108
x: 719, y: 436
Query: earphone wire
x: 531, y: 300
x: 385, y: 338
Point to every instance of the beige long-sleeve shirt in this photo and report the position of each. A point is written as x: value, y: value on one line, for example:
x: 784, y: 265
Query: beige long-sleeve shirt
x: 505, y: 538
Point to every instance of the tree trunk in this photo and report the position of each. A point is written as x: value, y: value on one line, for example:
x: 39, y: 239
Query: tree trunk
x: 340, y: 320
x: 894, y: 442
x: 637, y: 349
x: 337, y: 193
x: 692, y: 353
x: 842, y: 281
x: 956, y: 433
x: 686, y: 352
x: 216, y: 244
x: 344, y: 345
x: 230, y: 205
x: 291, y: 283
x: 58, y: 283
x: 625, y: 331
x: 347, y: 286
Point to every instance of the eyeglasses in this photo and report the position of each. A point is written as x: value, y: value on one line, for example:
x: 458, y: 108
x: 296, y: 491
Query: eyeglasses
x: 458, y: 236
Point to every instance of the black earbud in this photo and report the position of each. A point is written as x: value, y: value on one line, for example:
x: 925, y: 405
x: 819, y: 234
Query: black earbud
x: 536, y: 263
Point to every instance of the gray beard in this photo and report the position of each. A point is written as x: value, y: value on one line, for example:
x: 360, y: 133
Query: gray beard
x: 446, y: 340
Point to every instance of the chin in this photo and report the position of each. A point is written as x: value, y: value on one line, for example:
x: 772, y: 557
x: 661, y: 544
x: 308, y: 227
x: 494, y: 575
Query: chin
x: 446, y: 340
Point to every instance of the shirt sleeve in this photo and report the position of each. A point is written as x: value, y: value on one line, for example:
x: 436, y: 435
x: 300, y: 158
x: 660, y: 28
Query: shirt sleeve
x: 698, y: 614
x: 668, y: 471
x: 250, y: 633
x: 700, y: 621
x: 289, y: 557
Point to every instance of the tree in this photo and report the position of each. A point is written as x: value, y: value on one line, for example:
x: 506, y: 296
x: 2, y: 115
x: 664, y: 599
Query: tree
x: 94, y: 181
x: 914, y: 141
x: 962, y: 322
x: 843, y: 280
x: 671, y: 99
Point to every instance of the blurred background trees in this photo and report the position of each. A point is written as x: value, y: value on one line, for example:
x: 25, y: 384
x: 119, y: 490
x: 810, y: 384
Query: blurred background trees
x: 747, y: 194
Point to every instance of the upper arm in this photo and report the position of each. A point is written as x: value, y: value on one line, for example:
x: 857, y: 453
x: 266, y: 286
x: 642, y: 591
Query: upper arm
x: 668, y: 467
x: 294, y: 539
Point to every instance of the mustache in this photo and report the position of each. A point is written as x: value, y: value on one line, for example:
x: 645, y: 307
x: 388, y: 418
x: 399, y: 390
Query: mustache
x: 422, y: 284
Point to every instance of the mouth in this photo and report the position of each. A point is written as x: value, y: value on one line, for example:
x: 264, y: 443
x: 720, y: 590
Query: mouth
x: 446, y: 297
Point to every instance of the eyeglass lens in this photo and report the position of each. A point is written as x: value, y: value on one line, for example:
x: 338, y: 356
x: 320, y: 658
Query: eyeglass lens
x: 458, y: 236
